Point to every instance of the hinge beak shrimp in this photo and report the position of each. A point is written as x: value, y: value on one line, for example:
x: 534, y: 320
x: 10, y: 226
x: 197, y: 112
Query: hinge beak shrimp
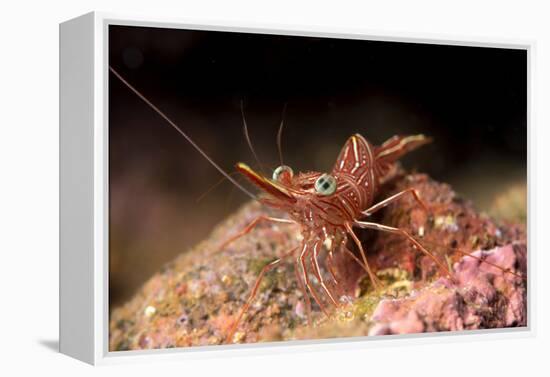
x: 327, y: 207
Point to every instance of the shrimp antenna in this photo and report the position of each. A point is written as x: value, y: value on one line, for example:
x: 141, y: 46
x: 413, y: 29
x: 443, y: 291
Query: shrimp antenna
x: 223, y: 172
x: 247, y: 136
x: 222, y: 179
x: 280, y: 135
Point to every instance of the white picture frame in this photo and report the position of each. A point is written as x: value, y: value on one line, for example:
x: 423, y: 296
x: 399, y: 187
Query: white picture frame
x: 84, y: 186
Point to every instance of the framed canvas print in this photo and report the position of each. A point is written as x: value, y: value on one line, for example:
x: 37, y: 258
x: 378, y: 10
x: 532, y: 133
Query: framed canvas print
x: 232, y: 189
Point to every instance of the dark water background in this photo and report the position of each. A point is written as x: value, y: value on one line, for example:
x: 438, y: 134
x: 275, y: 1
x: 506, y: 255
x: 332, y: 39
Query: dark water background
x: 471, y: 100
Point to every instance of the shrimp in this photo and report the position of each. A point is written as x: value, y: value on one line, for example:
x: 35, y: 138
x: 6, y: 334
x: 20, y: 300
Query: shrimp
x: 328, y: 207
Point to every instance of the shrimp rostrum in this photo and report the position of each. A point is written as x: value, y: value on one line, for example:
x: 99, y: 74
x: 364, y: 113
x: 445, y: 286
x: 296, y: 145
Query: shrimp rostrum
x: 327, y: 207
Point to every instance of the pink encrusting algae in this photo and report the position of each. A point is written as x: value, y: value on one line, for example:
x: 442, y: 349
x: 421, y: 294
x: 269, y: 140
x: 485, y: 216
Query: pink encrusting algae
x: 481, y: 297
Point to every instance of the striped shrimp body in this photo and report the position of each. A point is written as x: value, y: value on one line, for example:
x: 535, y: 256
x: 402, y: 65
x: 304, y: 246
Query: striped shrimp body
x: 327, y: 206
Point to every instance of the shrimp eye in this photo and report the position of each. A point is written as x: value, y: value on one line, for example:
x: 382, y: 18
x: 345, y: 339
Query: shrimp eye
x: 282, y: 173
x: 325, y: 185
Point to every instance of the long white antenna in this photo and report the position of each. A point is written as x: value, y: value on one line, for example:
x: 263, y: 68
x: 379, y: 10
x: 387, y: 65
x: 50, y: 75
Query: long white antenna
x: 249, y: 141
x: 280, y: 136
x: 225, y: 174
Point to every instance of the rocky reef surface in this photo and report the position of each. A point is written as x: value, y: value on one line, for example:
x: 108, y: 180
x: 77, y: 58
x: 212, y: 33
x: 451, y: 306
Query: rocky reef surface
x: 195, y: 299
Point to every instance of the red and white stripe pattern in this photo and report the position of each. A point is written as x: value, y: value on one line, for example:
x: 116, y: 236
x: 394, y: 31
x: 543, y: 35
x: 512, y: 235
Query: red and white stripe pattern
x: 354, y: 170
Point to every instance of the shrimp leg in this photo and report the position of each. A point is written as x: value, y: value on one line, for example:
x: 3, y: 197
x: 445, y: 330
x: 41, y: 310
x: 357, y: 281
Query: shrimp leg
x: 395, y: 197
x: 247, y: 229
x: 254, y: 291
x: 317, y: 271
x: 302, y: 259
x: 418, y: 245
x: 365, y: 264
x: 304, y: 290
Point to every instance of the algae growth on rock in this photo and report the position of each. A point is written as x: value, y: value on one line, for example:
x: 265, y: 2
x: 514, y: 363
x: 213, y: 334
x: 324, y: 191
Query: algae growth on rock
x: 194, y: 299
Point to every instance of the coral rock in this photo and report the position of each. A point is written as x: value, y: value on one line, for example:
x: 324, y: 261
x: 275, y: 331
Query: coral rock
x: 195, y: 299
x: 481, y: 296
